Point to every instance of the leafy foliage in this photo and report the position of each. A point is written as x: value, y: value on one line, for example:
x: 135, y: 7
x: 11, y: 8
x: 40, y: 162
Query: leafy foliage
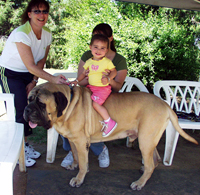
x: 9, y: 17
x: 159, y: 48
x: 158, y: 43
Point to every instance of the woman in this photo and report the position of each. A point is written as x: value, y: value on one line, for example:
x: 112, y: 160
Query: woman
x: 22, y: 62
x: 119, y: 61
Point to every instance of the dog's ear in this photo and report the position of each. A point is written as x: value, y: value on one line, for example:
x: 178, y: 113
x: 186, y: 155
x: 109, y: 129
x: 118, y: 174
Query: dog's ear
x: 61, y: 102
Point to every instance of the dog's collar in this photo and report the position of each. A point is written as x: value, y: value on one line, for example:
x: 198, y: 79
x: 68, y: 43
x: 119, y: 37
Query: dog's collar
x: 72, y: 92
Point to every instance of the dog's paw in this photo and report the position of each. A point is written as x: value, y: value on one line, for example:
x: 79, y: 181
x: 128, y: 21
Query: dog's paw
x: 74, y: 182
x: 136, y: 186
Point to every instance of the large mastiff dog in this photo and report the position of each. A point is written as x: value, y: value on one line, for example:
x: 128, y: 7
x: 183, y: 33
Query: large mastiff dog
x: 138, y: 114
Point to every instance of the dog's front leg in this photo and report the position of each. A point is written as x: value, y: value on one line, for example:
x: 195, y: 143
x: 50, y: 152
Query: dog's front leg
x: 83, y: 165
x: 74, y: 165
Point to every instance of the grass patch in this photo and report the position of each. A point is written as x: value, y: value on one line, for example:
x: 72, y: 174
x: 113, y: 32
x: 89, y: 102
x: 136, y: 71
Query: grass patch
x: 39, y: 135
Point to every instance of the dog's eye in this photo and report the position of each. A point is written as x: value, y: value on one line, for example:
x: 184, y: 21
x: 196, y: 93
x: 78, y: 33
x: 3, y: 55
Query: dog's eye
x: 40, y: 104
x: 30, y: 99
x: 49, y: 113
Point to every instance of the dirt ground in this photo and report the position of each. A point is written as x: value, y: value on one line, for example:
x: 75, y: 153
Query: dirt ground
x: 183, y: 177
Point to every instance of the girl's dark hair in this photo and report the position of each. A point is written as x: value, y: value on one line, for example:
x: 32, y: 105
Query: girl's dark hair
x: 31, y: 5
x: 106, y: 30
x: 100, y: 37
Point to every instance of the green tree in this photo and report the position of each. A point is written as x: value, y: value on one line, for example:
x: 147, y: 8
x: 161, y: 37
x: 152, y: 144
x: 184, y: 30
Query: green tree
x: 159, y: 48
x: 9, y: 16
x: 158, y: 43
x: 6, y: 10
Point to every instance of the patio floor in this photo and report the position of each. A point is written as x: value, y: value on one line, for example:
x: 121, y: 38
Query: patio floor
x: 183, y: 177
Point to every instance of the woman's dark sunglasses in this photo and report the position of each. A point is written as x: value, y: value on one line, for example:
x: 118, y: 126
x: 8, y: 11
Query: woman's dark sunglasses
x: 39, y: 11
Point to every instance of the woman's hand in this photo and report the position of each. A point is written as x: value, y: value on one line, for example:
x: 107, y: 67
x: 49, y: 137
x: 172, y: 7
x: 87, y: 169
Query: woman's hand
x: 106, y: 73
x: 30, y: 86
x: 60, y: 79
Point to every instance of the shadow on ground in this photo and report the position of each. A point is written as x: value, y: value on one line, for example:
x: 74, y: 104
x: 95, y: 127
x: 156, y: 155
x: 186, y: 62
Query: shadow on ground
x: 183, y: 177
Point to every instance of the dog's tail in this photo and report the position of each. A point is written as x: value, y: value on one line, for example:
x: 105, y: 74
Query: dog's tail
x: 174, y: 120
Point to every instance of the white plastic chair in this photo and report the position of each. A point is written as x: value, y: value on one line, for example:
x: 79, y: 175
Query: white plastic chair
x: 128, y: 85
x: 187, y: 92
x: 11, y: 146
x: 52, y: 138
x: 52, y: 134
x: 130, y: 82
x: 68, y: 75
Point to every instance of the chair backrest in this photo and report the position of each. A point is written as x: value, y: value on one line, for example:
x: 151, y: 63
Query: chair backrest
x: 127, y: 86
x: 10, y: 109
x: 130, y: 82
x: 68, y: 75
x: 183, y: 96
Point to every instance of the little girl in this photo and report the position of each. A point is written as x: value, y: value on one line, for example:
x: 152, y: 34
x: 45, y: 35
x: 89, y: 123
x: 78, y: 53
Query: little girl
x: 98, y: 84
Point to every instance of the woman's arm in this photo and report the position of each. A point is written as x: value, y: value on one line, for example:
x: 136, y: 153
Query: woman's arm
x: 84, y: 82
x: 118, y: 81
x: 110, y: 77
x: 40, y: 64
x: 27, y: 58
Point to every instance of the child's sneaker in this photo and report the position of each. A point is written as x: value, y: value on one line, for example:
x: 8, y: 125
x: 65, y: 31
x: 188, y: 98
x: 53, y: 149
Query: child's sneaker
x: 111, y: 125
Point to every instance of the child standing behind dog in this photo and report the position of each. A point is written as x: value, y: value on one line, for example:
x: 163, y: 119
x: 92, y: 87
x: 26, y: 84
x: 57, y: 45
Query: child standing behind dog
x: 97, y: 84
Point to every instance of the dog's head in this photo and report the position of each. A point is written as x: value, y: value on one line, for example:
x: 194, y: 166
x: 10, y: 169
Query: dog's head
x: 44, y: 107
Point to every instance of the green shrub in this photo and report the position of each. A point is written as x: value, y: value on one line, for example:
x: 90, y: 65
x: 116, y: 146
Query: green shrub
x: 158, y: 43
x: 159, y: 48
x: 2, y: 43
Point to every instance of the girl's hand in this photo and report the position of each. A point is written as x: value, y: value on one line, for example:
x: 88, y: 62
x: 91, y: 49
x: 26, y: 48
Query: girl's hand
x: 105, y: 80
x: 75, y: 82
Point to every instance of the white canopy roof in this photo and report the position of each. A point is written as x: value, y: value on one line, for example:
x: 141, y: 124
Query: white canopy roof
x: 179, y: 4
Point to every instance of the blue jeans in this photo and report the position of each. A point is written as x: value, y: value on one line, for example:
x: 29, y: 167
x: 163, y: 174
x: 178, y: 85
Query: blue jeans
x: 97, y: 148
